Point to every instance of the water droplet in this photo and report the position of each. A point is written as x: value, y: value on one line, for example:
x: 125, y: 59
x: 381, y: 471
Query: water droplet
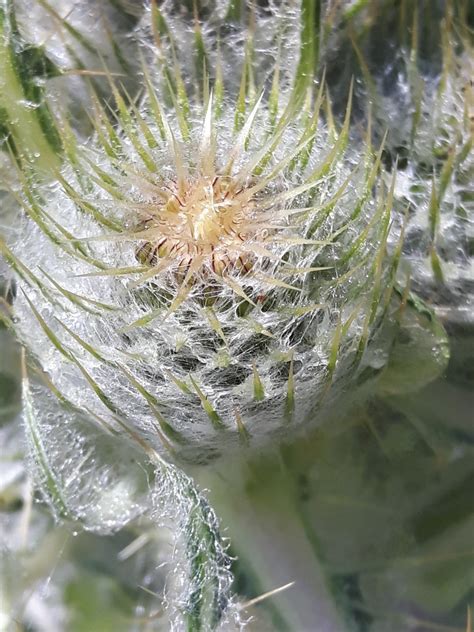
x: 30, y: 105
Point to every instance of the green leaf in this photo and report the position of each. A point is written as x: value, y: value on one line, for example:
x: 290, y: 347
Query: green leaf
x: 39, y: 454
x: 420, y: 352
x: 23, y: 110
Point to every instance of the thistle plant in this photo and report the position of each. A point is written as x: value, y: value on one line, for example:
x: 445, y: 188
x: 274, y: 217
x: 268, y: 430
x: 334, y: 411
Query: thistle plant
x: 215, y: 276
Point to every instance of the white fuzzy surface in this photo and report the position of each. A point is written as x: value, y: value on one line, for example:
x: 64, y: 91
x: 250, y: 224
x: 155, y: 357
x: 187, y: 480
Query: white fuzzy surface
x: 184, y: 344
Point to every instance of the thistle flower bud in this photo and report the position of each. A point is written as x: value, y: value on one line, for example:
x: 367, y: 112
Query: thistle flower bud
x: 435, y: 184
x: 215, y: 274
x: 419, y: 96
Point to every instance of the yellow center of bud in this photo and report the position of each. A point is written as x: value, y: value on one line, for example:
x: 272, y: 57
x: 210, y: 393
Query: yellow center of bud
x: 209, y: 223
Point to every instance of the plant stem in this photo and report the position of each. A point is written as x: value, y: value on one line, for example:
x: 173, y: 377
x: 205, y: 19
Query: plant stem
x: 258, y: 505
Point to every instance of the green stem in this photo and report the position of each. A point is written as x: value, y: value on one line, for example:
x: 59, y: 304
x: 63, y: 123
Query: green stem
x: 270, y: 535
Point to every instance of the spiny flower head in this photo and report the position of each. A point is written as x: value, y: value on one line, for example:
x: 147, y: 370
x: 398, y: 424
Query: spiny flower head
x: 211, y: 271
x: 414, y: 66
x: 435, y: 175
